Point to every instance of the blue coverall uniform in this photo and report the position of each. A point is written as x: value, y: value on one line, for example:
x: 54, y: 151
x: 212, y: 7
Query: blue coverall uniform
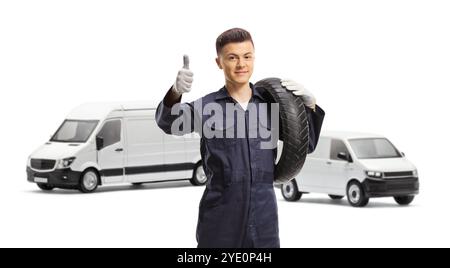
x: 238, y: 207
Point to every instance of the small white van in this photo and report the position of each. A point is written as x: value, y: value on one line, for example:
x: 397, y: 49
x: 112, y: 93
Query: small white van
x: 113, y: 143
x: 356, y: 165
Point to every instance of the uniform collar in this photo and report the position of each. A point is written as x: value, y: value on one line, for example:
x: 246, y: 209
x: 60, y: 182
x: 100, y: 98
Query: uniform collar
x: 223, y: 93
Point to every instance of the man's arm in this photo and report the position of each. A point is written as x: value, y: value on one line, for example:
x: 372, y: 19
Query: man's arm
x: 171, y: 98
x: 172, y: 116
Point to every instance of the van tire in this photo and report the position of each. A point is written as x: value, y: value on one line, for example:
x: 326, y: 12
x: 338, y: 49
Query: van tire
x: 293, y: 128
x: 89, y: 181
x: 198, y: 177
x: 290, y: 191
x: 335, y: 197
x: 404, y: 200
x: 356, y: 195
x: 45, y: 187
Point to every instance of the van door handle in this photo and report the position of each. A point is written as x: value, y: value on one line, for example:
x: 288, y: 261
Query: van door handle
x: 328, y: 162
x: 119, y: 150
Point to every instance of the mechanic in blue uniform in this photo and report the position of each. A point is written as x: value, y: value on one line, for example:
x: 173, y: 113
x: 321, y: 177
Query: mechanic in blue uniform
x: 239, y: 207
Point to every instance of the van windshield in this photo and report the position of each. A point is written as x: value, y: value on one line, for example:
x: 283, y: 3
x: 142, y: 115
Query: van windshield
x: 75, y: 131
x: 374, y: 148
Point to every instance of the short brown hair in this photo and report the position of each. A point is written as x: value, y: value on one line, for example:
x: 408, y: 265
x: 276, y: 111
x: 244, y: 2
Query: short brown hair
x: 235, y: 35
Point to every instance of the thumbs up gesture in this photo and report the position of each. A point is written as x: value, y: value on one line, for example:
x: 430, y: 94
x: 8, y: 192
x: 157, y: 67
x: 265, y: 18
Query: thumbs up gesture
x: 183, y: 83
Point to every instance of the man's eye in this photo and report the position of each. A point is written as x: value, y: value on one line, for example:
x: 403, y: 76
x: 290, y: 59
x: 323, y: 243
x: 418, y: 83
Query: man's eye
x: 231, y: 58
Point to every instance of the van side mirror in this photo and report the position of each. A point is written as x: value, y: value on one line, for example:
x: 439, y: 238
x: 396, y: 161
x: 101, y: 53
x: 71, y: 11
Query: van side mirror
x: 344, y: 156
x: 99, y: 142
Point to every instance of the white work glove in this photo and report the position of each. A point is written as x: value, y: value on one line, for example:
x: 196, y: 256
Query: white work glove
x: 183, y: 83
x: 299, y: 90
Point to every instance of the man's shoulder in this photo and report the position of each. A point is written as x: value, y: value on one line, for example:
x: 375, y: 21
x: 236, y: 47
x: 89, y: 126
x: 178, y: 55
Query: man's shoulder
x: 211, y: 97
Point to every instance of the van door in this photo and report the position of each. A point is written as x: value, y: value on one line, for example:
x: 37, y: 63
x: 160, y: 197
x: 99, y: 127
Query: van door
x: 338, y: 169
x: 192, y: 147
x: 111, y: 155
x: 145, y: 150
x: 311, y: 176
x: 175, y: 158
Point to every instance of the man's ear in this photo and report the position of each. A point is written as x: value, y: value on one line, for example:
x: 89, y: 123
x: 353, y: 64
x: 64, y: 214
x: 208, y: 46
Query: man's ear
x: 218, y: 63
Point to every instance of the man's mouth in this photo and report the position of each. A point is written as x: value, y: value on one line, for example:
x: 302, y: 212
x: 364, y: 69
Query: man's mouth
x: 241, y: 72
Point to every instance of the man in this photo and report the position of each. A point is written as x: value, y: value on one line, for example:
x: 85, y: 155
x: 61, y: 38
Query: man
x: 238, y: 207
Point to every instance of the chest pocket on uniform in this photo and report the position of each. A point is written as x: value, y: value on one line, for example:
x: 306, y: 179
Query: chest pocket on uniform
x: 221, y: 152
x: 220, y: 136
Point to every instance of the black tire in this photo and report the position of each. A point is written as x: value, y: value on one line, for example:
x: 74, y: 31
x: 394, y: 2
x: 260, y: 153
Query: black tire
x: 290, y: 191
x: 89, y: 181
x: 293, y: 128
x: 137, y: 184
x: 404, y: 200
x: 45, y: 187
x: 335, y: 197
x: 198, y: 176
x: 356, y: 195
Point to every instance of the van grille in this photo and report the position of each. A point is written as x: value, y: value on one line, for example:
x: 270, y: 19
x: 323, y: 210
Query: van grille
x: 386, y: 186
x: 42, y: 164
x: 398, y: 174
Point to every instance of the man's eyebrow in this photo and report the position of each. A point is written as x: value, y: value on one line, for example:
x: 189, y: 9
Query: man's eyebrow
x: 234, y: 54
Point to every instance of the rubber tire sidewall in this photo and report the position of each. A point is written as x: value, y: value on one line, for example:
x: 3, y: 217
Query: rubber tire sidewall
x: 194, y: 181
x: 404, y: 200
x: 81, y: 185
x: 363, y: 200
x: 294, y: 128
x: 297, y: 194
x: 45, y: 187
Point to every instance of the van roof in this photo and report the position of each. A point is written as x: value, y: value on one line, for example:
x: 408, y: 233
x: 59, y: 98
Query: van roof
x: 348, y: 135
x: 101, y: 110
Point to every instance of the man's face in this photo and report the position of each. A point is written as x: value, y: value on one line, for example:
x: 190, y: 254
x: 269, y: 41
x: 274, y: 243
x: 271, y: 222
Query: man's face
x: 236, y: 60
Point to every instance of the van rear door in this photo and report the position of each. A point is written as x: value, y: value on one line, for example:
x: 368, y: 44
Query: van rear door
x: 145, y: 150
x: 311, y: 177
x: 175, y: 158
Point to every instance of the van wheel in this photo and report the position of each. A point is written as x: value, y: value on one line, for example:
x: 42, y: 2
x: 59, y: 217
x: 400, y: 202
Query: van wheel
x: 336, y: 197
x: 290, y: 192
x: 137, y: 184
x: 404, y: 200
x: 199, y: 176
x: 89, y: 181
x: 45, y: 187
x: 293, y: 128
x: 356, y: 195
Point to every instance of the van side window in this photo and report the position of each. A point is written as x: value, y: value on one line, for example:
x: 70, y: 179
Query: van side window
x: 110, y: 132
x: 337, y: 146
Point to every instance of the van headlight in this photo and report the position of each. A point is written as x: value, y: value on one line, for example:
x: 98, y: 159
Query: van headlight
x: 65, y: 163
x: 374, y: 174
x: 415, y: 173
x: 29, y: 161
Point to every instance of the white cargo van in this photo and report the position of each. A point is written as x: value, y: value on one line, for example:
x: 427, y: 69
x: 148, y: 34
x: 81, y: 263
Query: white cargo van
x: 113, y: 143
x: 356, y: 165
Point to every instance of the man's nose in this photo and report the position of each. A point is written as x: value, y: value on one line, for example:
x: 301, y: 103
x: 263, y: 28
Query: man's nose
x: 240, y: 63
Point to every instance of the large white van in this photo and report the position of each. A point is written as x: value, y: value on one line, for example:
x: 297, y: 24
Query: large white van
x: 356, y: 165
x: 113, y: 143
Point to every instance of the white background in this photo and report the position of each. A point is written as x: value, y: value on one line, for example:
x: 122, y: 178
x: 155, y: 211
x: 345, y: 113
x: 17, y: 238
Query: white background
x: 374, y: 66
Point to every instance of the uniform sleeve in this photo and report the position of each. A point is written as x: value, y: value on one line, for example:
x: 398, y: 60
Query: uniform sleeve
x: 176, y: 120
x: 315, y: 120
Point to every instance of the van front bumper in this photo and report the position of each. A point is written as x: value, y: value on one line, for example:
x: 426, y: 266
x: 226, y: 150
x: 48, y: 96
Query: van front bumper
x: 61, y: 178
x: 391, y: 187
